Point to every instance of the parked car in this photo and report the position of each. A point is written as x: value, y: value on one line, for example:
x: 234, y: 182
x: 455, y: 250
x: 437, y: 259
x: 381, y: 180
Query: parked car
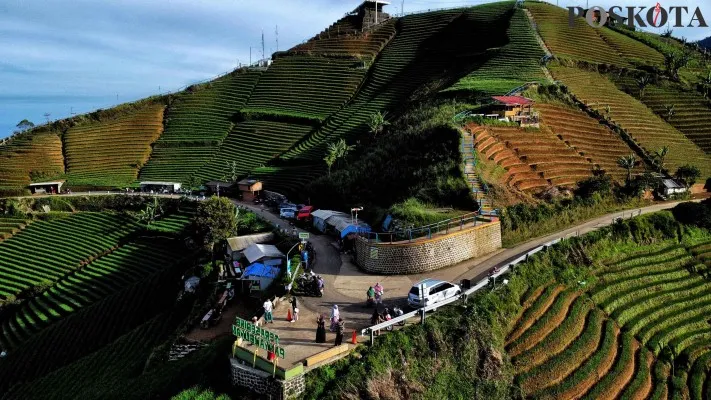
x: 288, y: 212
x: 305, y: 213
x: 435, y: 291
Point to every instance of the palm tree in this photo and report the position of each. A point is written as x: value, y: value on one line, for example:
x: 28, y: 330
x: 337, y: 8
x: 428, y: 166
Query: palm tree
x: 642, y: 83
x: 660, y: 155
x: 378, y: 122
x: 670, y: 111
x: 337, y: 151
x: 331, y: 156
x: 628, y: 163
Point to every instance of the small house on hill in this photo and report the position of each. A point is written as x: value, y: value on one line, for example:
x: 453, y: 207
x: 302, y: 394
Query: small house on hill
x: 670, y: 187
x: 250, y: 189
x: 516, y: 109
x: 264, y: 253
x: 46, y: 187
x: 264, y: 274
x: 371, y: 12
x: 237, y: 244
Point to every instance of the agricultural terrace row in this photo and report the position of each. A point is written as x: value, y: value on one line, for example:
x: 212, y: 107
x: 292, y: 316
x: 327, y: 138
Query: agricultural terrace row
x: 313, y: 87
x: 252, y: 144
x: 46, y: 251
x: 29, y: 156
x: 91, y: 328
x: 10, y: 226
x: 518, y: 173
x: 345, y: 39
x: 425, y: 46
x: 111, y: 153
x: 562, y: 347
x: 632, y: 50
x: 686, y: 110
x: 579, y: 42
x: 510, y: 66
x: 195, y: 124
x: 658, y: 293
x: 592, y: 140
x: 290, y: 179
x: 647, y: 129
x: 94, y: 281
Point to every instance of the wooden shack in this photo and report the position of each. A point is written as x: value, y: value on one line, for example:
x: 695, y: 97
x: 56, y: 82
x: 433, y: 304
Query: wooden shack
x: 249, y: 188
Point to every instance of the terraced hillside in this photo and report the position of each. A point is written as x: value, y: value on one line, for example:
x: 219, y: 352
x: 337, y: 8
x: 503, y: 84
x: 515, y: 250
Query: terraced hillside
x: 579, y: 42
x: 647, y: 129
x: 111, y: 153
x: 10, y: 226
x: 562, y: 347
x: 512, y: 65
x: 691, y: 111
x: 598, y: 144
x: 346, y: 37
x: 545, y: 154
x: 195, y: 125
x: 31, y: 156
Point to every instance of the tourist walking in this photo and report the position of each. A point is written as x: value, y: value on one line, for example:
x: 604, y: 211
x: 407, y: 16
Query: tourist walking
x: 294, y: 309
x: 340, y: 327
x: 268, y: 307
x: 321, y: 330
x: 335, y: 316
x: 378, y: 293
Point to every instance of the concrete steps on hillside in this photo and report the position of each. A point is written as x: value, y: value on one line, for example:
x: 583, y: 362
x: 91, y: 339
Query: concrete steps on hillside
x: 469, y: 160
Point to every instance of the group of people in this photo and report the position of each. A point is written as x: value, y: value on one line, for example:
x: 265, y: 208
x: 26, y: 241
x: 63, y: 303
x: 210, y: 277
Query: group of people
x: 338, y: 325
x: 375, y: 294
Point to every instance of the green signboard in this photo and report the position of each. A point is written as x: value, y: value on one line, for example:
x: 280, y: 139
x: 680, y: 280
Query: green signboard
x: 262, y: 338
x: 303, y: 235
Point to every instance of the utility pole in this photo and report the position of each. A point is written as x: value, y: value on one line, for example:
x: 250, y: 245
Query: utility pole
x: 47, y: 115
x: 262, y: 44
x: 376, y: 12
x: 250, y: 56
x: 276, y: 32
x: 402, y: 7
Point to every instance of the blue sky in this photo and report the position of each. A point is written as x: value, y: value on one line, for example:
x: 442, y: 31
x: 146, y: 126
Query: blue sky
x: 75, y: 56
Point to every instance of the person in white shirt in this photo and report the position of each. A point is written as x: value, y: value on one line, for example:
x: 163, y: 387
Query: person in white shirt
x: 268, y: 311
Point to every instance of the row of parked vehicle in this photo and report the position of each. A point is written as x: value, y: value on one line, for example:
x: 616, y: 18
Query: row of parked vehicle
x: 298, y: 212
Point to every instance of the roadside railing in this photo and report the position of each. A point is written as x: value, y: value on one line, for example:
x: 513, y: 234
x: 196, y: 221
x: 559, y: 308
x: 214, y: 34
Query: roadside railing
x: 426, y: 231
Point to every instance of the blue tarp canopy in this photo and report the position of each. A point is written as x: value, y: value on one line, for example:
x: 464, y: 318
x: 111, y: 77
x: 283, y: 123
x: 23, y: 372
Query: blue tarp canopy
x: 344, y: 226
x: 261, y: 270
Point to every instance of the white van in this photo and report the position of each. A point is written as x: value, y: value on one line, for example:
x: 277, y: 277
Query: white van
x: 435, y: 291
x: 288, y: 212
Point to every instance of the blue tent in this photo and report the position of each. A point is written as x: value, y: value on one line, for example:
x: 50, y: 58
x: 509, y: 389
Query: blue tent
x: 345, y: 226
x: 265, y: 274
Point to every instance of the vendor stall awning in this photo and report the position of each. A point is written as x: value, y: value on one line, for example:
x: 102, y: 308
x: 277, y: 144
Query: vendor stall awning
x: 256, y: 252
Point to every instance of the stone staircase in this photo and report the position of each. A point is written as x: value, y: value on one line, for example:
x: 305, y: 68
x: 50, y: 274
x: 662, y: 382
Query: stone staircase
x: 479, y: 188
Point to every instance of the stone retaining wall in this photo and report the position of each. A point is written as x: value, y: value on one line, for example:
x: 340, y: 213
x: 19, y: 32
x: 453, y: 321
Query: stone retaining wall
x: 262, y: 383
x: 427, y: 254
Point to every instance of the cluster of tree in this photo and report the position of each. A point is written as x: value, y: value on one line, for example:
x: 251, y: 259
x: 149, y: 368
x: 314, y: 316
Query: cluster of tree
x: 698, y: 214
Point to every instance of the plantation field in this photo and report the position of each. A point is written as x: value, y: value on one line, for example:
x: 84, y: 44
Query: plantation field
x: 252, y: 144
x: 647, y: 129
x: 27, y: 158
x: 10, y: 226
x: 195, y: 125
x: 345, y: 37
x: 580, y: 42
x: 94, y: 281
x: 111, y: 153
x: 46, y: 251
x: 518, y: 173
x: 425, y: 47
x: 512, y: 65
x: 587, y: 136
x: 692, y: 112
x: 545, y: 154
x: 630, y: 49
x: 291, y: 179
x: 306, y: 86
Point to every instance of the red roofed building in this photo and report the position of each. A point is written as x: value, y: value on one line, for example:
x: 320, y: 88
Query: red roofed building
x: 515, y: 109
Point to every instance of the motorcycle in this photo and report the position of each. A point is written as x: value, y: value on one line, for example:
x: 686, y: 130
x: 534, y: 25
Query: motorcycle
x: 398, y: 312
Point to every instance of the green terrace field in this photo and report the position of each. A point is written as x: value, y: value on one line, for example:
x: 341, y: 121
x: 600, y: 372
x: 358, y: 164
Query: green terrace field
x: 96, y: 280
x: 111, y: 153
x: 311, y: 87
x: 586, y: 135
x: 29, y: 157
x: 10, y: 226
x: 48, y: 250
x: 346, y: 38
x: 512, y: 65
x: 426, y: 46
x: 630, y: 49
x: 647, y: 129
x: 692, y: 112
x: 252, y: 144
x: 580, y: 42
x: 292, y: 179
x: 195, y: 125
